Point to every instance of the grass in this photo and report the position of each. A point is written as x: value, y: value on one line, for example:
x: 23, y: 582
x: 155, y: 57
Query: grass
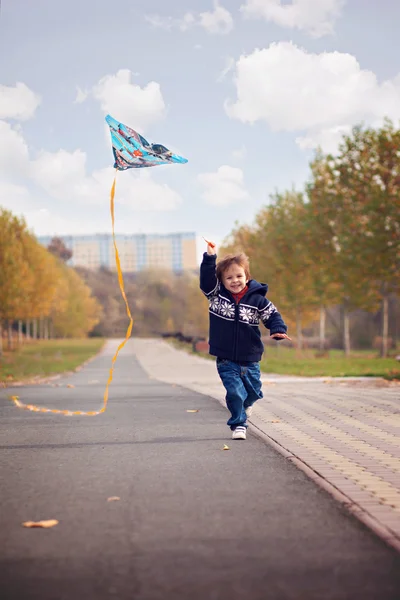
x: 289, y: 361
x: 46, y: 357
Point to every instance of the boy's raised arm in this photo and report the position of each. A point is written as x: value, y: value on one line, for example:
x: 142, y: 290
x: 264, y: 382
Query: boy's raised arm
x: 208, y: 276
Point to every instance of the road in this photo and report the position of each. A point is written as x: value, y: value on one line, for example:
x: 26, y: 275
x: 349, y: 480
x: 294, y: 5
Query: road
x: 193, y: 521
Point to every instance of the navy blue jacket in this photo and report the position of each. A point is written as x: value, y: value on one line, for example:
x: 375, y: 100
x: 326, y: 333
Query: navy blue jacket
x: 234, y: 330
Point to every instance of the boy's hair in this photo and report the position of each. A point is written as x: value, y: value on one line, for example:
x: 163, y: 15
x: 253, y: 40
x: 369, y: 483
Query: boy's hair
x: 233, y: 259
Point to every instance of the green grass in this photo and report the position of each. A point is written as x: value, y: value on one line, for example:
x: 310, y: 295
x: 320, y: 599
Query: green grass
x: 289, y: 361
x: 46, y: 357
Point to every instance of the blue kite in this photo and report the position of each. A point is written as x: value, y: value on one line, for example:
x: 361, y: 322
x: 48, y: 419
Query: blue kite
x: 132, y: 151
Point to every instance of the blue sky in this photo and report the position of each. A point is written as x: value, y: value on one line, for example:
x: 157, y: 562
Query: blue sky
x: 245, y: 89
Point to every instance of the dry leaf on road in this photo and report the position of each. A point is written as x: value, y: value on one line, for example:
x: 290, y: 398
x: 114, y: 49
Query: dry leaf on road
x: 42, y: 524
x: 70, y: 385
x: 225, y: 447
x: 193, y: 410
x: 113, y: 498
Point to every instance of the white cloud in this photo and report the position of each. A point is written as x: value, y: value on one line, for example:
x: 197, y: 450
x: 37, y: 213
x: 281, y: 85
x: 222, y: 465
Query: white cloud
x: 14, y: 154
x: 318, y: 95
x: 81, y: 95
x: 18, y: 102
x: 129, y: 102
x: 15, y: 198
x: 317, y: 17
x: 217, y: 21
x: 168, y: 23
x: 223, y: 187
x: 328, y: 139
x: 63, y: 176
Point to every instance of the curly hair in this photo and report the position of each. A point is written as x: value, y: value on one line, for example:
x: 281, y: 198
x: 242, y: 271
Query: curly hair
x: 233, y: 259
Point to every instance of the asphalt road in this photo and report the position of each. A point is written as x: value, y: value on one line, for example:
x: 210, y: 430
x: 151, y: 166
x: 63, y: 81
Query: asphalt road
x: 193, y: 522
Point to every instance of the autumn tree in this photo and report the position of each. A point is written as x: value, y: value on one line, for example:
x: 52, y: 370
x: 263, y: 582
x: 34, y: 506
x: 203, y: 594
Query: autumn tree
x: 355, y: 200
x: 58, y: 248
x: 13, y: 270
x: 81, y: 311
x: 368, y: 168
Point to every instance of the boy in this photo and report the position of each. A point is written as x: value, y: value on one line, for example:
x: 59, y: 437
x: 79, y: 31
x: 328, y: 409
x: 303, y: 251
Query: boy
x: 236, y: 305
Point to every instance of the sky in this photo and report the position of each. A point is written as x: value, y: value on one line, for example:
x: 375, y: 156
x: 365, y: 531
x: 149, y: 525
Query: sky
x: 246, y: 90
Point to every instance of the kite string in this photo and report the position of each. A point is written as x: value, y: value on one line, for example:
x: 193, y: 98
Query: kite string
x: 33, y: 407
x: 122, y: 288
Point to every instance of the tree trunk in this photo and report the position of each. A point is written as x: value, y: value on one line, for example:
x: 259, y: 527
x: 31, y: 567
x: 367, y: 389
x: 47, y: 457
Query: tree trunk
x: 385, y: 325
x: 46, y: 329
x: 322, y: 322
x: 27, y: 332
x: 41, y: 328
x: 34, y: 332
x: 1, y: 338
x: 298, y: 329
x: 20, y: 340
x: 346, y: 331
x: 10, y: 335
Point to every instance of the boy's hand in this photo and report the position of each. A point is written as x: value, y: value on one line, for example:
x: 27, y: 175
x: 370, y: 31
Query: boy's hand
x: 281, y: 336
x: 210, y: 247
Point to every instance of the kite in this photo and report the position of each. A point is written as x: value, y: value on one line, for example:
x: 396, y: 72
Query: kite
x: 131, y: 151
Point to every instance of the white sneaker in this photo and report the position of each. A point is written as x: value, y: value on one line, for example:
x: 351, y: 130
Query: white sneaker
x: 239, y: 433
x: 248, y: 411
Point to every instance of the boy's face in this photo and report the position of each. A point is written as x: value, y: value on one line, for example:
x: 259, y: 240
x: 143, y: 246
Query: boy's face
x: 234, y: 279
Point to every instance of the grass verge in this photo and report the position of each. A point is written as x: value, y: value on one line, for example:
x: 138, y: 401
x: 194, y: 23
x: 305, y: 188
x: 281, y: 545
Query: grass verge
x: 289, y: 361
x: 46, y: 357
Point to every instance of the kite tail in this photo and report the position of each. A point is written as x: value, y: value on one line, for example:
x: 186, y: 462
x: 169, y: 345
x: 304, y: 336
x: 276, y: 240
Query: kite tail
x: 92, y: 413
x: 122, y: 288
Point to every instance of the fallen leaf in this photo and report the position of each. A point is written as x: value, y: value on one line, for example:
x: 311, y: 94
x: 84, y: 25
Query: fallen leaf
x: 194, y: 410
x: 43, y: 524
x: 275, y: 421
x: 113, y: 498
x: 70, y: 385
x: 225, y: 447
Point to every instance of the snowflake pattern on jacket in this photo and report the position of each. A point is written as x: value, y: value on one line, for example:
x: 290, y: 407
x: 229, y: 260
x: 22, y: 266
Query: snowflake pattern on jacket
x: 224, y: 308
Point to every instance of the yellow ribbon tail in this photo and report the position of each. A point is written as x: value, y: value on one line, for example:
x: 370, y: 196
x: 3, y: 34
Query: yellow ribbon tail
x: 122, y: 288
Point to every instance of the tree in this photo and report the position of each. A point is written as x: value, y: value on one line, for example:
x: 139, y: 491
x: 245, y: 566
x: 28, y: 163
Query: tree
x: 59, y: 249
x: 369, y: 173
x: 356, y: 197
x: 81, y: 311
x: 14, y: 271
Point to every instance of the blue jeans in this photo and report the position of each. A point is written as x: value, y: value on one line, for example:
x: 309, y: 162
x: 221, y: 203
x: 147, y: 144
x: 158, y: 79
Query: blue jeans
x: 243, y: 388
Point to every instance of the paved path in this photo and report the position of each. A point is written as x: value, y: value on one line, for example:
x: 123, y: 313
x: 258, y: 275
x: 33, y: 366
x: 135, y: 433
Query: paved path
x: 193, y: 521
x: 344, y: 433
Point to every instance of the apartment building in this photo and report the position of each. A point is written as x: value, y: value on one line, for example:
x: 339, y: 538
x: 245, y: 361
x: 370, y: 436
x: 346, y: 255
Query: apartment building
x: 174, y: 251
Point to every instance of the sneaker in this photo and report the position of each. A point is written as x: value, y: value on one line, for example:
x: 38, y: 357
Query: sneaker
x: 249, y: 411
x: 239, y: 433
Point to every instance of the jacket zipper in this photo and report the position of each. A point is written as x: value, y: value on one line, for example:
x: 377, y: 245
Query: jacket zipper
x: 236, y: 331
x: 237, y: 325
